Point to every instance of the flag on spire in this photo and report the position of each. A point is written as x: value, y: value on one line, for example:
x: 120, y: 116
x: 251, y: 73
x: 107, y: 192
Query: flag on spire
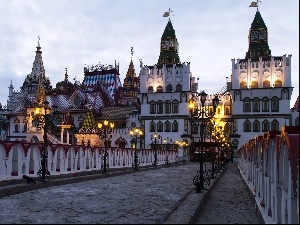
x: 166, y: 14
x: 253, y: 4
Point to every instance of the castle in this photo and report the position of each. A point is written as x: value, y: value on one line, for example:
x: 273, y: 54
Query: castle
x: 256, y: 99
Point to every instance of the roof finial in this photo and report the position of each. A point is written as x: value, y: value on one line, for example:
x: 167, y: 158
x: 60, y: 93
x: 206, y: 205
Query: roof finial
x: 132, y: 52
x: 38, y: 48
x: 66, y: 74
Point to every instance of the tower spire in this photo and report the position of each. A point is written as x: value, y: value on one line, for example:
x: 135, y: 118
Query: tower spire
x: 38, y: 48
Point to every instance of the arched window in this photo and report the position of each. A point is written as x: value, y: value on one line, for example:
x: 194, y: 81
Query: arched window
x: 175, y: 106
x: 227, y: 110
x: 159, y: 89
x: 278, y: 83
x: 152, y: 107
x: 160, y: 107
x: 266, y: 84
x: 150, y: 89
x: 169, y: 88
x: 265, y: 104
x: 178, y: 87
x: 254, y: 84
x: 152, y: 126
x: 274, y: 104
x: 274, y: 125
x: 247, y: 126
x: 243, y: 85
x: 167, y: 106
x: 167, y: 126
x: 175, y: 126
x: 227, y: 128
x: 256, y: 104
x: 265, y: 126
x: 160, y: 126
x: 256, y: 127
x: 247, y: 106
x: 195, y: 129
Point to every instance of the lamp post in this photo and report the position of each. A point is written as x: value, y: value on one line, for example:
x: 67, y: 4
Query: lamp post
x: 43, y: 122
x: 203, y: 114
x: 154, y: 139
x: 104, y: 130
x: 136, y: 135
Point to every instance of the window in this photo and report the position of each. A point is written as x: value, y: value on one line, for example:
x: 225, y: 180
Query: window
x: 167, y: 126
x: 175, y: 106
x: 256, y: 127
x: 152, y: 107
x: 243, y: 85
x: 274, y: 125
x: 218, y: 110
x: 266, y: 84
x: 247, y: 107
x: 150, y: 89
x: 227, y: 128
x: 195, y: 128
x: 17, y: 125
x: 274, y: 104
x: 160, y: 107
x: 167, y: 107
x: 175, y: 126
x: 16, y: 128
x: 265, y: 104
x: 159, y: 126
x: 159, y: 89
x: 254, y: 84
x: 247, y: 126
x: 178, y: 87
x: 278, y: 83
x: 265, y: 126
x: 169, y: 88
x: 152, y: 126
x: 256, y: 105
x: 227, y: 110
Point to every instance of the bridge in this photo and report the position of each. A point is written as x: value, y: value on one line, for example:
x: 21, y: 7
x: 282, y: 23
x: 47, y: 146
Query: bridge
x: 268, y: 164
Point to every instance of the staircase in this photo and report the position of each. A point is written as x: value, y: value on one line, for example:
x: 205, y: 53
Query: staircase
x: 53, y: 139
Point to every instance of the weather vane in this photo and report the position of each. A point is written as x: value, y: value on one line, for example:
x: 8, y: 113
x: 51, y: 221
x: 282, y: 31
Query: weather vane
x: 167, y: 14
x: 132, y: 52
x: 254, y: 4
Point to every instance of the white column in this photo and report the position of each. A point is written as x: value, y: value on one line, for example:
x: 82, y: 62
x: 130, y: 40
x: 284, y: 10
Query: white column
x: 62, y: 135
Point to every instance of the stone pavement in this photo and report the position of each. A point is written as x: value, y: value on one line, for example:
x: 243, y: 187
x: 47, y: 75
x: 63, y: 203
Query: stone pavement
x: 230, y: 202
x: 164, y: 194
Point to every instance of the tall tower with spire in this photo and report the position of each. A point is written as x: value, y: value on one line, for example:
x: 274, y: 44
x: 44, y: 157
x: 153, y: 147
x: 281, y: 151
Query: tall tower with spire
x: 129, y: 91
x: 31, y: 83
x: 260, y: 87
x: 164, y: 92
x: 32, y: 80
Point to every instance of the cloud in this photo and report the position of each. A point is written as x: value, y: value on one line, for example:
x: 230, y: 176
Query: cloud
x: 75, y: 33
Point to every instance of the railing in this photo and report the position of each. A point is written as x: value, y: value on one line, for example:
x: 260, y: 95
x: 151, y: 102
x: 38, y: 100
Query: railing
x: 269, y: 165
x: 23, y: 158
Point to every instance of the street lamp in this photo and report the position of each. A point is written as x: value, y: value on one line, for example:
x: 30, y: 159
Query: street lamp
x: 136, y: 135
x: 104, y: 130
x: 204, y: 115
x: 43, y: 121
x: 154, y: 139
